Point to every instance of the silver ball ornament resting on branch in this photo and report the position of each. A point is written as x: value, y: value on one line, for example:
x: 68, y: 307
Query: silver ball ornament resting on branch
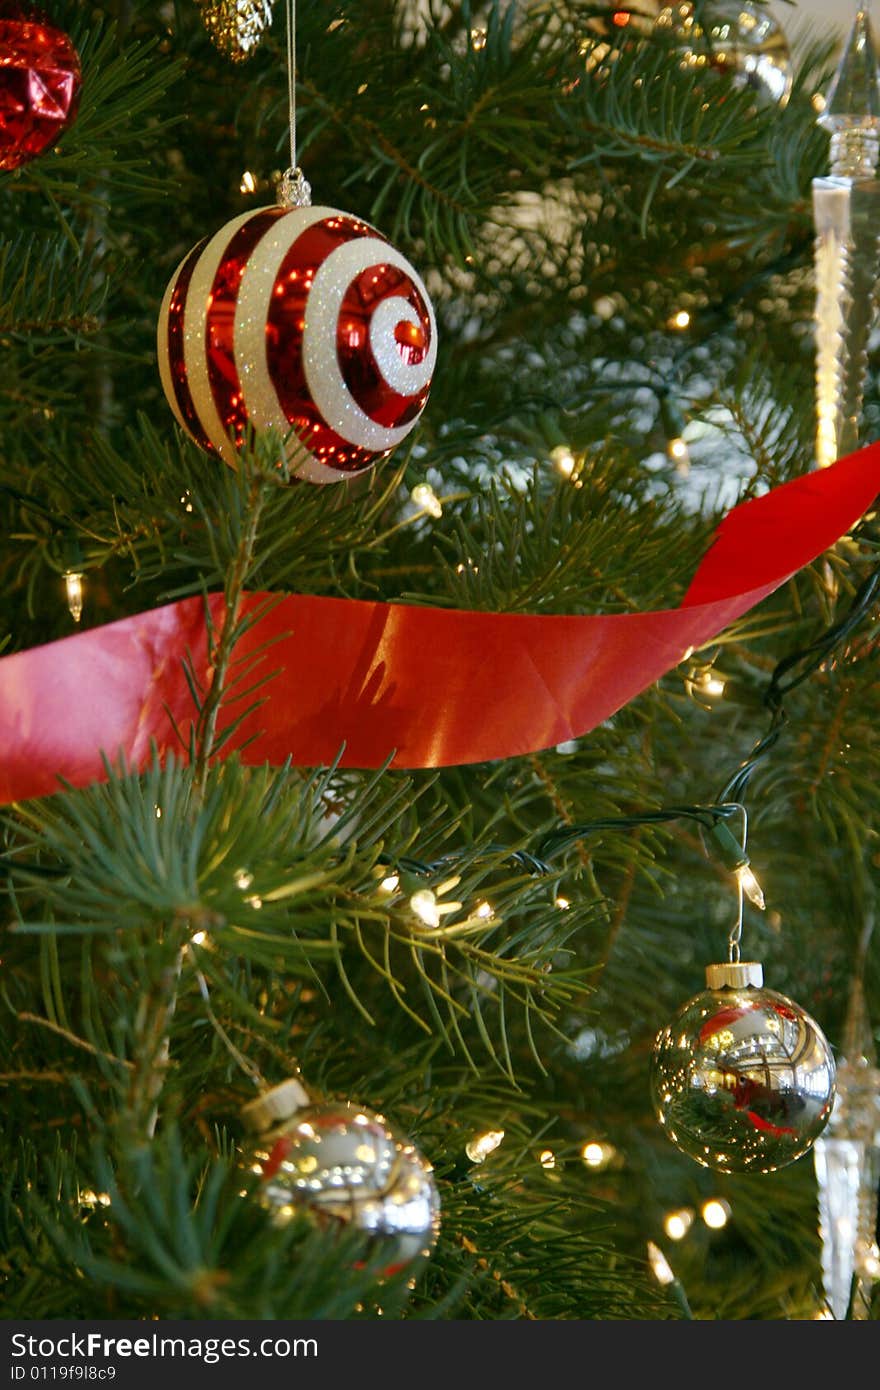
x: 342, y: 1163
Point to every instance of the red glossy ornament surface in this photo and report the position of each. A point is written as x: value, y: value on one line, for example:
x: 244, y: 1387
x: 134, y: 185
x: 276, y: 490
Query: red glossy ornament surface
x: 305, y: 321
x: 40, y: 81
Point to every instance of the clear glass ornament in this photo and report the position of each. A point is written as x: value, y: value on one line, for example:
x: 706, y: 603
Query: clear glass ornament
x: 734, y: 37
x: 847, y: 1159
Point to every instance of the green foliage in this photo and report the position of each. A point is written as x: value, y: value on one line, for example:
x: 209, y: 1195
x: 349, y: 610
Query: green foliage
x: 173, y: 934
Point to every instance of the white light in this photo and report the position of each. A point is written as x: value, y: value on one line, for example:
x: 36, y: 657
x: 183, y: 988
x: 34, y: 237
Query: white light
x: 74, y: 587
x: 563, y: 460
x: 482, y: 1145
x: 715, y: 1213
x: 710, y: 684
x: 424, y: 905
x: 750, y: 886
x: 425, y: 497
x: 659, y: 1264
x: 199, y: 938
x: 596, y: 1155
x: 484, y: 910
x: 563, y: 904
x: 248, y: 182
x: 547, y: 1158
x: 680, y: 320
x: 678, y: 1223
x: 390, y: 884
x: 871, y: 1262
x: 243, y: 879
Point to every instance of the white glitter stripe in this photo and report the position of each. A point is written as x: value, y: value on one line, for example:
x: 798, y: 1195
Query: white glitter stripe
x: 320, y: 360
x: 195, y: 342
x: 408, y: 379
x: 165, y: 373
x: 251, y: 316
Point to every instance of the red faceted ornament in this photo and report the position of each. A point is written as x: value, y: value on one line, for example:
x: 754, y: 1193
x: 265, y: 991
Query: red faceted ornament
x: 305, y: 321
x: 40, y: 81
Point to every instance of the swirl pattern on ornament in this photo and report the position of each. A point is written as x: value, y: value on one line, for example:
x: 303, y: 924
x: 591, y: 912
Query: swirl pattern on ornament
x: 304, y: 321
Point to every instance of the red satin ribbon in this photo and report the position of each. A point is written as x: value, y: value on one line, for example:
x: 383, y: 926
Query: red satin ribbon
x: 435, y: 687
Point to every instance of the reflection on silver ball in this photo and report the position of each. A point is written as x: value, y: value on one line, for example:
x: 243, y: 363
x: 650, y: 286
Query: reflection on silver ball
x: 734, y: 37
x: 742, y: 1080
x: 343, y: 1162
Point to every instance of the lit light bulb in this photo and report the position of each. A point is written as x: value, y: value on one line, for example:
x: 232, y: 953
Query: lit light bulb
x: 659, y: 1264
x: 678, y: 451
x: 680, y: 320
x: 710, y: 684
x: 871, y: 1261
x: 563, y: 904
x: 715, y: 1213
x: 73, y: 583
x: 199, y: 938
x: 248, y: 182
x: 482, y: 1145
x: 425, y: 497
x: 243, y: 878
x: 750, y: 886
x: 563, y: 460
x: 547, y: 1158
x: 390, y: 884
x: 478, y: 39
x: 484, y: 910
x: 424, y: 905
x: 676, y: 1224
x: 596, y: 1155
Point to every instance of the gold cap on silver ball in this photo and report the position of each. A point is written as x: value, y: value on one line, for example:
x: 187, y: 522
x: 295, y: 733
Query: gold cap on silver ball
x: 735, y: 975
x: 275, y: 1105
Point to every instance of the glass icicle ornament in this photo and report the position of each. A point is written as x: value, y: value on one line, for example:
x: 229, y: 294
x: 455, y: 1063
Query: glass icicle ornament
x: 342, y: 1163
x: 236, y: 27
x: 846, y: 212
x: 742, y: 1079
x: 847, y: 1159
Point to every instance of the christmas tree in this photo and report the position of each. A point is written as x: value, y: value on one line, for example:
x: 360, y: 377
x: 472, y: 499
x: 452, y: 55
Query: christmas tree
x: 433, y: 887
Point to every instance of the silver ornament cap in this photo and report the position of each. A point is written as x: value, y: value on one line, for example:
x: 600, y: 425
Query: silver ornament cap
x: 274, y: 1106
x: 738, y: 974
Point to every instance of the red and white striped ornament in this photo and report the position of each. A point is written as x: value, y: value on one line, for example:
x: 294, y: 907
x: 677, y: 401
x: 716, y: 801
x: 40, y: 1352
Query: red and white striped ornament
x: 304, y: 320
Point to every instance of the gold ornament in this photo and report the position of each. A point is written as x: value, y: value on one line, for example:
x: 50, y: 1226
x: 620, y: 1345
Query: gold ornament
x: 236, y: 26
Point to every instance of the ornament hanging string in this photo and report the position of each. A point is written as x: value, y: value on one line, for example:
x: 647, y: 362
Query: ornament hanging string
x: 294, y: 190
x: 397, y: 683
